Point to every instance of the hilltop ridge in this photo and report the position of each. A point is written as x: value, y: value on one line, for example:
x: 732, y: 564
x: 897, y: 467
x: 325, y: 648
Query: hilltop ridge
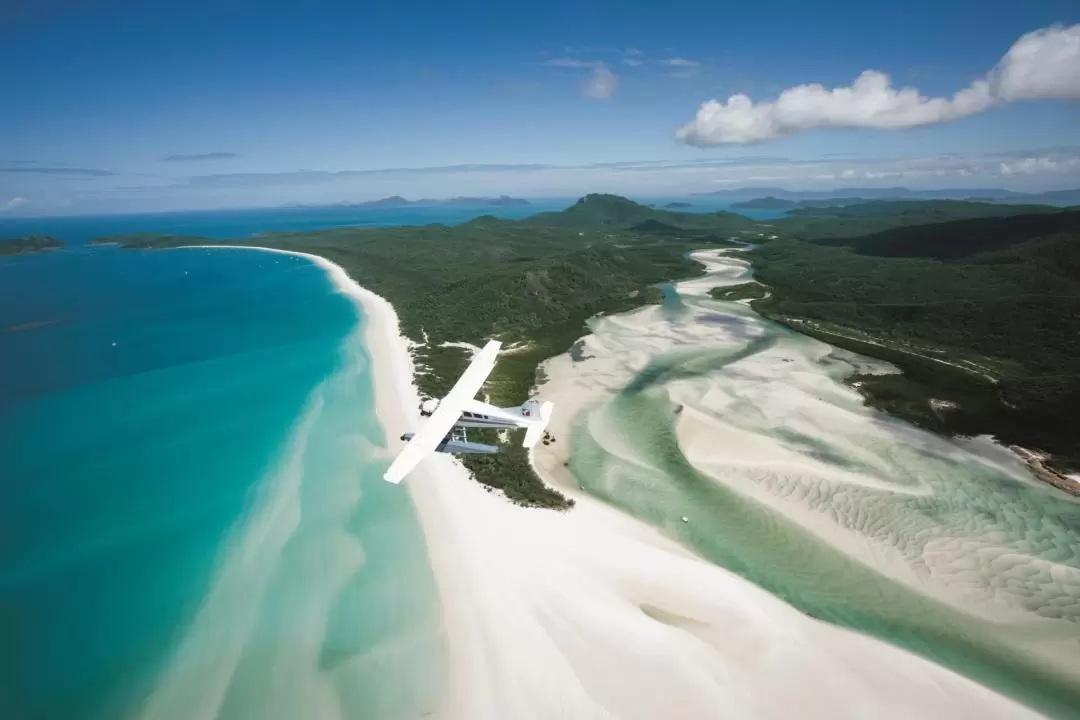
x: 601, y: 210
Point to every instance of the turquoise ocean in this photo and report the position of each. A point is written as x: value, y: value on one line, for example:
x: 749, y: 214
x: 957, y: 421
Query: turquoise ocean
x: 192, y: 514
x: 192, y: 522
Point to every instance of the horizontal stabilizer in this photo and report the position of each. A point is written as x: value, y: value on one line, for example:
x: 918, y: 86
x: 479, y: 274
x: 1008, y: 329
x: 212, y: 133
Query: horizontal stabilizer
x: 536, y: 430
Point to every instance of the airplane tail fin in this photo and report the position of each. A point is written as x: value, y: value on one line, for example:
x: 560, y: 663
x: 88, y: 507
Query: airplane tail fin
x: 535, y: 431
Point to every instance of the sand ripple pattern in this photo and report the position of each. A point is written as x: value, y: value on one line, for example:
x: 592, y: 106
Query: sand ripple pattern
x: 950, y: 548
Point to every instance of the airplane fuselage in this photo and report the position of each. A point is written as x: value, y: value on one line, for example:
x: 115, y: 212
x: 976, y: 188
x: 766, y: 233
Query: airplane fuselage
x: 458, y: 444
x: 479, y: 420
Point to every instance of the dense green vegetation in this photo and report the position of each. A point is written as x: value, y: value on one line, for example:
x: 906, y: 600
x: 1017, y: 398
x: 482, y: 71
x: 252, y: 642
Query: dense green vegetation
x: 618, y: 213
x: 742, y: 291
x: 812, y: 222
x: 28, y: 244
x: 981, y: 313
x: 922, y: 211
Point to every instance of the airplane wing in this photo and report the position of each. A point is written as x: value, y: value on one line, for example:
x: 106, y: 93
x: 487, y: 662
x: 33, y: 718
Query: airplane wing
x: 434, y: 429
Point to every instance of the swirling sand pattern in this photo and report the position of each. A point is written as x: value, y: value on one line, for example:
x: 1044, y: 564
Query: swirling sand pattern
x: 949, y: 548
x: 322, y: 605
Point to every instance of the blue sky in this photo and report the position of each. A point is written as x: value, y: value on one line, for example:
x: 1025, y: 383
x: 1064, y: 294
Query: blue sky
x: 113, y: 106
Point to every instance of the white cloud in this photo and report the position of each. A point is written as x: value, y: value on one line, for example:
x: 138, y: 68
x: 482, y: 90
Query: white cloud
x: 14, y: 204
x: 1044, y: 64
x: 681, y: 62
x: 1033, y: 165
x: 601, y: 83
x: 1040, y: 65
x: 633, y: 61
x: 870, y: 101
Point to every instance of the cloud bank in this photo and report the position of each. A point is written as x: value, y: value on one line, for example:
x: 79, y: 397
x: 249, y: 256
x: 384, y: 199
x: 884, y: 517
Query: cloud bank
x: 1044, y: 64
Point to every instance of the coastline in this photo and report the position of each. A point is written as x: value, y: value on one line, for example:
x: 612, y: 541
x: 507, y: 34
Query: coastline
x: 547, y: 614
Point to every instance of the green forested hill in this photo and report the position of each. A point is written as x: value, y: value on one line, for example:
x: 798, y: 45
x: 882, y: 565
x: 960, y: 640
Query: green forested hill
x: 961, y: 238
x: 869, y: 217
x: 618, y: 213
x: 998, y: 300
x: 921, y: 210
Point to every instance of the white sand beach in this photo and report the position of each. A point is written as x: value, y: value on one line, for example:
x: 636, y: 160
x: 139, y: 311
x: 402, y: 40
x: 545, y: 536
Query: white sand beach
x: 592, y: 614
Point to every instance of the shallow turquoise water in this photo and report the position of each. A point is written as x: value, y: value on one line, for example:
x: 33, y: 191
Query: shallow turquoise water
x: 189, y: 462
x: 979, y: 539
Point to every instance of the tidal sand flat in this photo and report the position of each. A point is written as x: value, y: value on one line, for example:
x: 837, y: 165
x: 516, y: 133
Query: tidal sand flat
x: 595, y: 614
x: 236, y: 553
x: 195, y: 524
x: 702, y: 410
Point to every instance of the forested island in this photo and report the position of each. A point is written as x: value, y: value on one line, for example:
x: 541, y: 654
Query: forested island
x: 743, y: 291
x: 982, y: 313
x: 28, y: 244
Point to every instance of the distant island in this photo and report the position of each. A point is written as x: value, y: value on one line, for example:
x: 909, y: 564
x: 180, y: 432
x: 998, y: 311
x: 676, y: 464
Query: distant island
x: 29, y: 244
x: 766, y: 203
x: 678, y: 204
x: 398, y: 201
x: 997, y: 195
x: 743, y: 291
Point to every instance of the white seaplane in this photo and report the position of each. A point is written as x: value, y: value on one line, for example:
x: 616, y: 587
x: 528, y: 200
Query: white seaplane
x: 444, y: 421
